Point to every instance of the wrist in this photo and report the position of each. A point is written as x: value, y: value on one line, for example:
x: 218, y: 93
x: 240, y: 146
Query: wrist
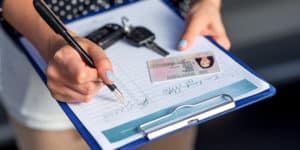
x: 55, y: 42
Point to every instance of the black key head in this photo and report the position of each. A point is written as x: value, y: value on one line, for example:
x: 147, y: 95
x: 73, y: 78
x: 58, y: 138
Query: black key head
x: 107, y: 35
x: 139, y: 36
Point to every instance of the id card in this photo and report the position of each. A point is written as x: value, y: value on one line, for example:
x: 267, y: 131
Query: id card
x: 182, y: 66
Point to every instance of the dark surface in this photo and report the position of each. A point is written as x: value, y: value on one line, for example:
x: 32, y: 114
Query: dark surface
x: 10, y: 146
x: 270, y: 124
x: 282, y: 49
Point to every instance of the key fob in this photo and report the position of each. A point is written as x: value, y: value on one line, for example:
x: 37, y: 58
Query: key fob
x: 139, y: 36
x: 107, y: 35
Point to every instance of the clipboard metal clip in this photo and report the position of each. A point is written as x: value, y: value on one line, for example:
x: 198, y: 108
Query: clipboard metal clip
x: 187, y: 115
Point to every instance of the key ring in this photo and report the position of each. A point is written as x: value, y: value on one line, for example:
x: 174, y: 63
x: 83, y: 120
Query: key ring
x: 127, y: 27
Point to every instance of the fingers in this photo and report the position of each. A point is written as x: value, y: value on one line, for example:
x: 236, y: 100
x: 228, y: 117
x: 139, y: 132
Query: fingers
x: 102, y: 63
x: 70, y: 79
x: 192, y: 30
x: 196, y: 26
x: 65, y: 88
x: 71, y: 95
x: 220, y: 36
x: 55, y: 76
x: 69, y: 64
x: 204, y: 19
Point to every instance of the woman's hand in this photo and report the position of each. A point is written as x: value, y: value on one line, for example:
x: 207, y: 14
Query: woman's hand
x: 69, y: 78
x: 204, y: 18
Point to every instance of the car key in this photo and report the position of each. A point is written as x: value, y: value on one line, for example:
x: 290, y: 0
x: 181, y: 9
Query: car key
x: 107, y: 35
x: 141, y: 36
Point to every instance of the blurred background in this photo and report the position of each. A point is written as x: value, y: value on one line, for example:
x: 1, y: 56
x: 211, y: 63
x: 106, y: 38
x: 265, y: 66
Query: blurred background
x: 265, y: 34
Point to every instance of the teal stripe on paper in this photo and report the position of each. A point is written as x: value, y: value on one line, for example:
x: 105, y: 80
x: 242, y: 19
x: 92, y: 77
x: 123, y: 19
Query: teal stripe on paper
x: 131, y: 128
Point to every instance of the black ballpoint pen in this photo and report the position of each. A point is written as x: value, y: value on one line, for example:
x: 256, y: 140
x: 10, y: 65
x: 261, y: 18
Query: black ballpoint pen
x: 59, y: 28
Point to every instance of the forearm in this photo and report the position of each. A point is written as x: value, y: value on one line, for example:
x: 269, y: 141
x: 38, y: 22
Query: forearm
x: 23, y: 17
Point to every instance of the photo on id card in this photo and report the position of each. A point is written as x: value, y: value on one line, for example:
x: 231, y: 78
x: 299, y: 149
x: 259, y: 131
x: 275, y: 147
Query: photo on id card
x: 179, y: 67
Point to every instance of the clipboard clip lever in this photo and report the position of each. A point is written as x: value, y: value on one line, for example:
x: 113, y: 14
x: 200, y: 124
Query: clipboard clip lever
x: 187, y: 115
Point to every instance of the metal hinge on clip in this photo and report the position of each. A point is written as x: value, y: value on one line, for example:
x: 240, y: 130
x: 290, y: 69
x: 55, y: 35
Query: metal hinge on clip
x: 197, y: 112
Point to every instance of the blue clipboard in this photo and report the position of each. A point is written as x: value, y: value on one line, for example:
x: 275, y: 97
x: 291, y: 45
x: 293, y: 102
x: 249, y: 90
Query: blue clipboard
x: 91, y: 140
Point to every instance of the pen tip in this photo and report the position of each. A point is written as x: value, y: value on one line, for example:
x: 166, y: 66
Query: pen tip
x: 119, y: 95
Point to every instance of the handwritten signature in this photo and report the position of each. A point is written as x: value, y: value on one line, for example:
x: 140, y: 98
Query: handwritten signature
x: 138, y: 103
x: 184, y: 86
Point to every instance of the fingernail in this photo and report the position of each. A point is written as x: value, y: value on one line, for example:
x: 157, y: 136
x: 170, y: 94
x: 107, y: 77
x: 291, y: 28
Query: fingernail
x: 109, y: 75
x: 182, y: 44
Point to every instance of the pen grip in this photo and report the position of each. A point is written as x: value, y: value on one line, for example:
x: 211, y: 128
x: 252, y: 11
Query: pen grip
x: 112, y: 87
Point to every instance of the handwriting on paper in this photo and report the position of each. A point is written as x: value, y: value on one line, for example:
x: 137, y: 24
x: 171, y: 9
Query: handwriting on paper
x: 127, y: 107
x: 184, y: 86
x: 136, y: 103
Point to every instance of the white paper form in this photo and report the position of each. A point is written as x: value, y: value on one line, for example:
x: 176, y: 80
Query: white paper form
x: 142, y: 98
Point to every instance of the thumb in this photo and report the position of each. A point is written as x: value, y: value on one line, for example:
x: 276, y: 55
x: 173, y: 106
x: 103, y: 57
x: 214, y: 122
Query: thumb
x: 192, y: 30
x: 102, y: 63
